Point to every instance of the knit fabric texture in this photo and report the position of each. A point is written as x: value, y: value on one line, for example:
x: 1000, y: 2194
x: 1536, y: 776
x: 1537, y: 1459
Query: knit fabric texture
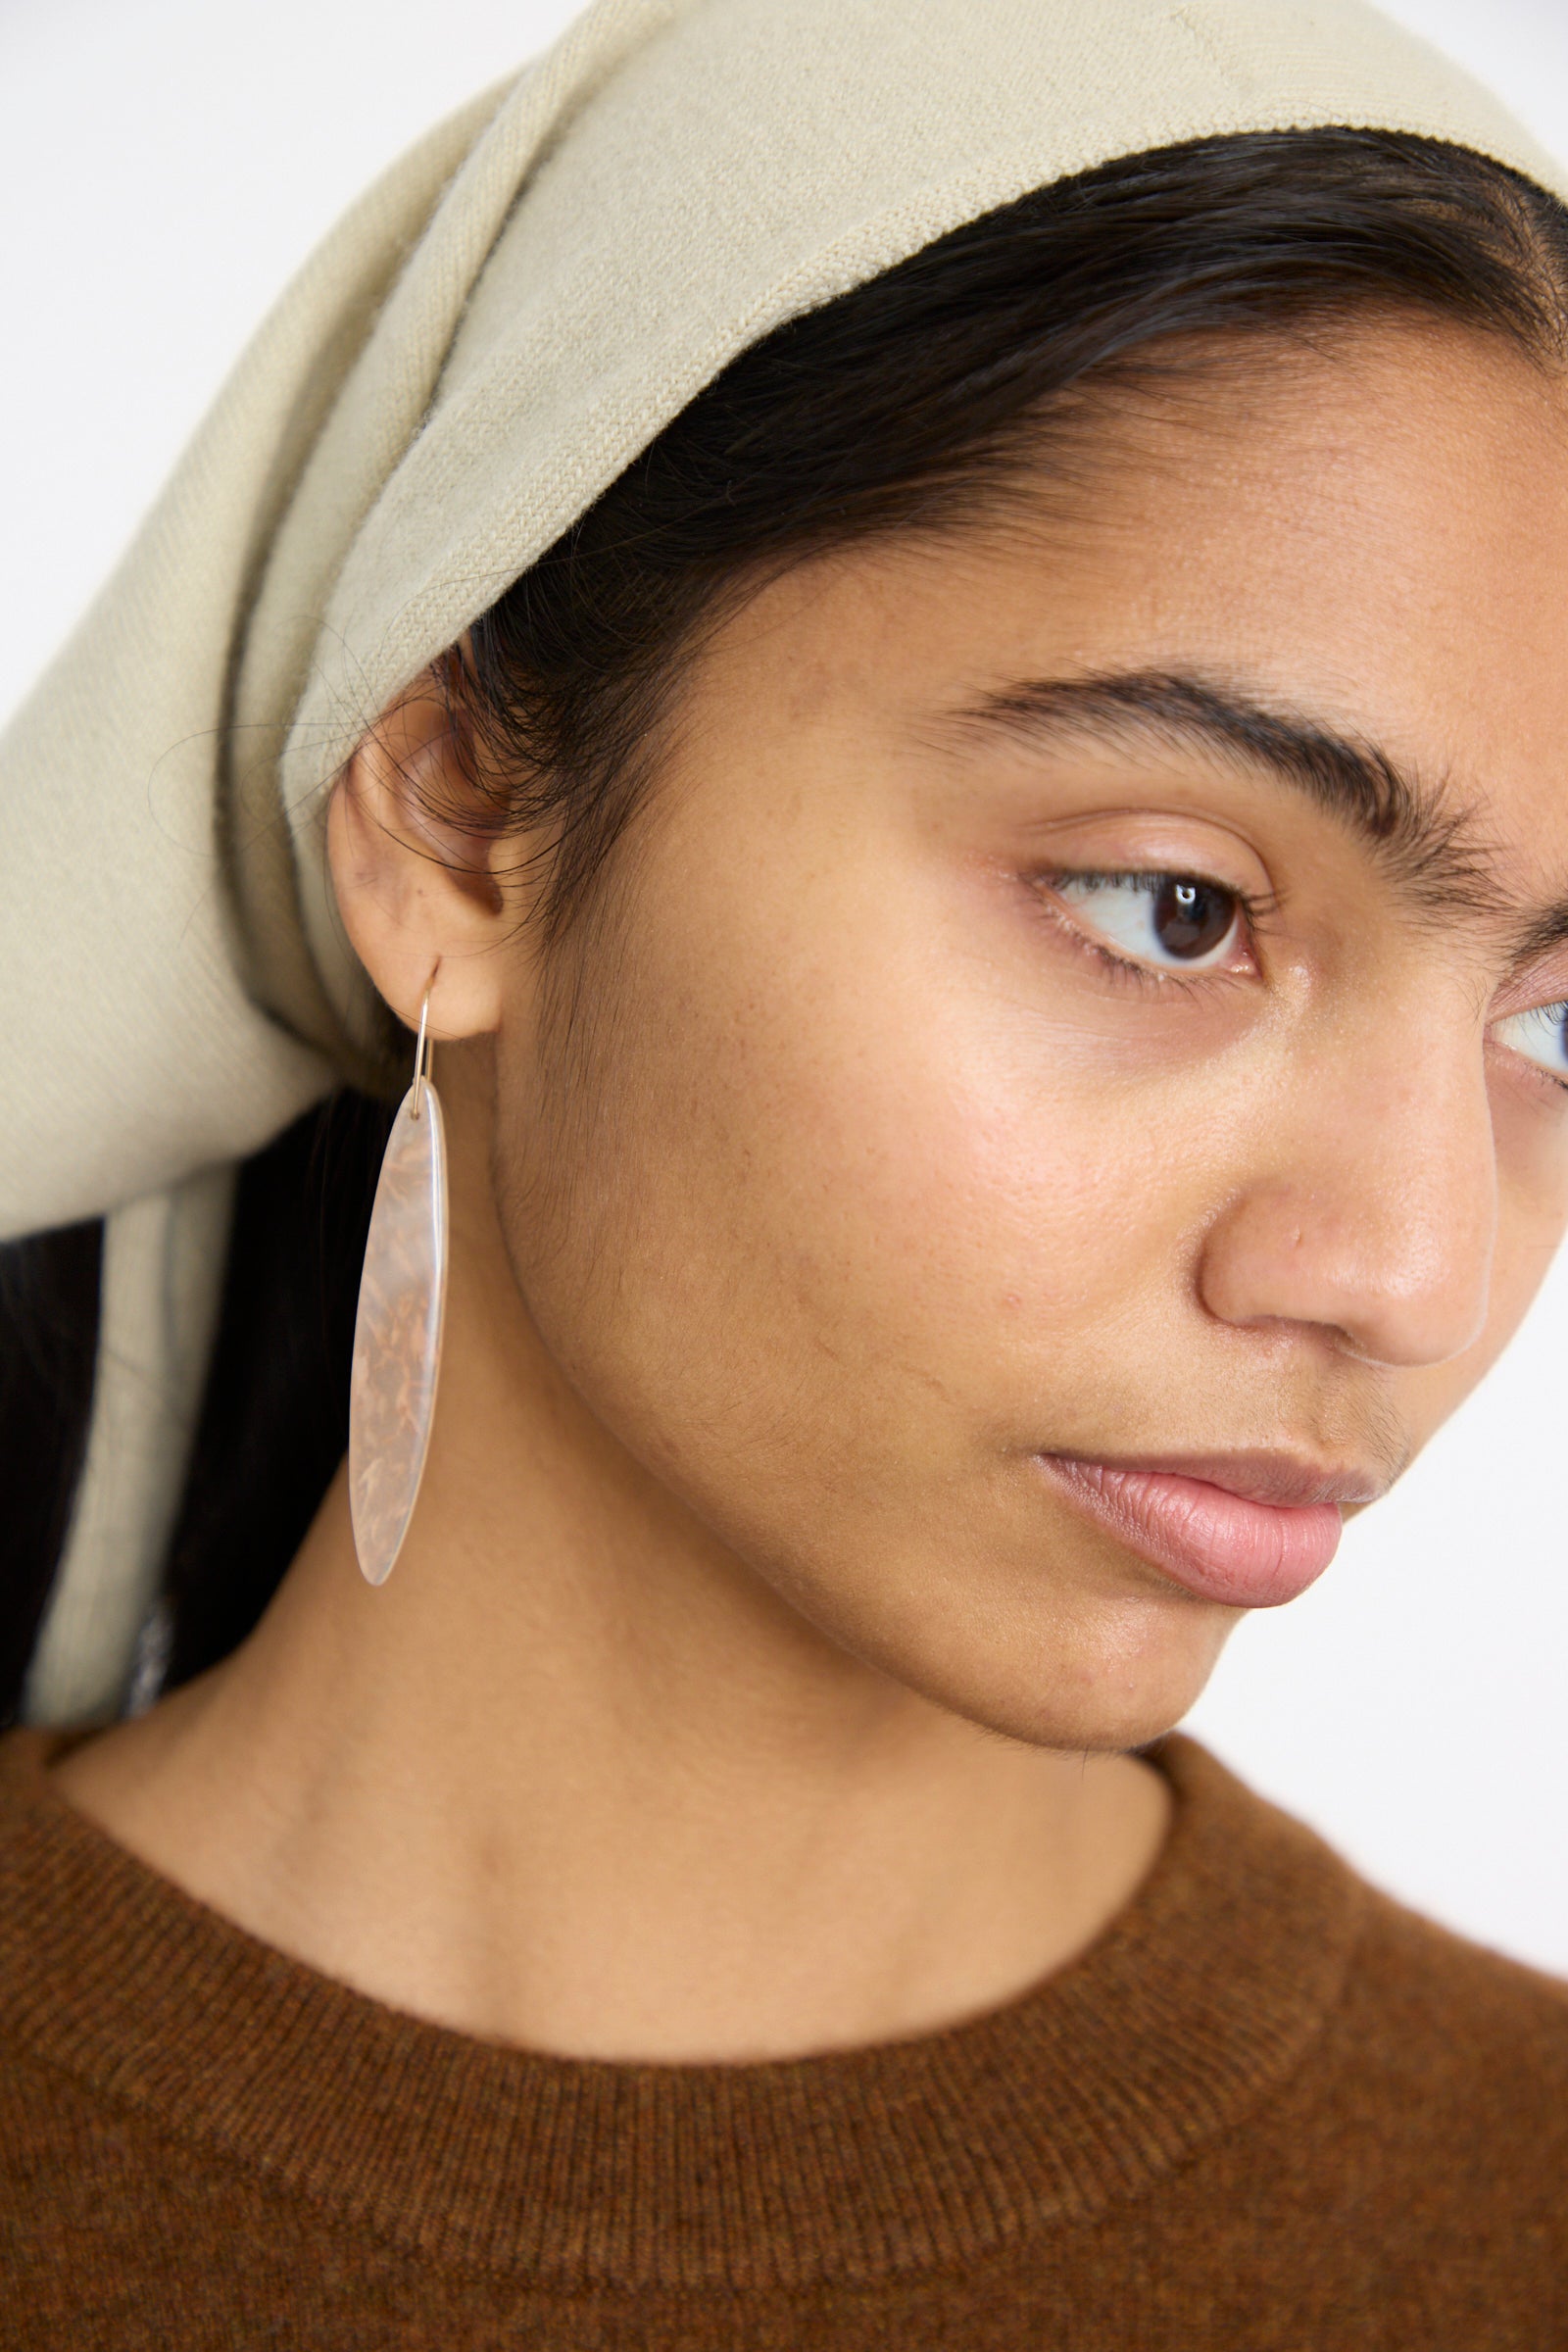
x: 1268, y: 2110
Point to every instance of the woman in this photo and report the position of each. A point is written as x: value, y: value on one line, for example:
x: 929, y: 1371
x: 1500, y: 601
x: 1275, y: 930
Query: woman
x: 930, y: 647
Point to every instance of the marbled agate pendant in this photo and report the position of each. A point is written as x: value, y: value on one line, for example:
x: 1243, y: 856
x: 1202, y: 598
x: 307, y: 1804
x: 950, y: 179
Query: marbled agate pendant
x: 397, y: 1335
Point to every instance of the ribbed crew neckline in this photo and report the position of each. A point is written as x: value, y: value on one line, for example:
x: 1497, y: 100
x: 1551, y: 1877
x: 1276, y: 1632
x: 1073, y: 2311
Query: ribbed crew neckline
x: 1205, y: 1992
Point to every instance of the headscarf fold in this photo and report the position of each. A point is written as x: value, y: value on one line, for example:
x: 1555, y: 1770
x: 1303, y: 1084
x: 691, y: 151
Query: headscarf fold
x: 485, y: 342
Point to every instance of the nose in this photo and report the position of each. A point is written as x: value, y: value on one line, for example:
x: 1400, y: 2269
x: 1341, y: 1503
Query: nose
x: 1371, y: 1209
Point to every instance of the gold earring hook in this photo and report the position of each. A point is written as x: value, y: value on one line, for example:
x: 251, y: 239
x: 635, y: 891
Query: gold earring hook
x: 423, y: 1050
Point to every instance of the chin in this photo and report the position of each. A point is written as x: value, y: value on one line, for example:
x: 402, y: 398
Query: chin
x: 1103, y: 1720
x: 1088, y: 1675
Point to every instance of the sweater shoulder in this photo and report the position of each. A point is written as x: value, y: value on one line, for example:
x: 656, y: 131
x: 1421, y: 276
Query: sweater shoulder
x: 1442, y: 1978
x: 1444, y: 2031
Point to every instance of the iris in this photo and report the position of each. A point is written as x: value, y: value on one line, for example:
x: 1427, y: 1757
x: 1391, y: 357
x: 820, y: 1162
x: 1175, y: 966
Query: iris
x: 1173, y: 920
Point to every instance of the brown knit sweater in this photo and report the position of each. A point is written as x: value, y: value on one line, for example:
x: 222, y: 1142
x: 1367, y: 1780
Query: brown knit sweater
x: 1268, y: 2109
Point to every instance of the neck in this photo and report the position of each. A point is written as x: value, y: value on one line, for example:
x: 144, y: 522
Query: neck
x: 578, y: 1777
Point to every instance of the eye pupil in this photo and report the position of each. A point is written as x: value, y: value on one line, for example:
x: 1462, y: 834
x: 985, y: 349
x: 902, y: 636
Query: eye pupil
x: 1191, y: 918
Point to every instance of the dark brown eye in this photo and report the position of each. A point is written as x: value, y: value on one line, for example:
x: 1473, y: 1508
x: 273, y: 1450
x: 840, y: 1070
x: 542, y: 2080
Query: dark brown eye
x: 1192, y: 919
x: 1174, y: 920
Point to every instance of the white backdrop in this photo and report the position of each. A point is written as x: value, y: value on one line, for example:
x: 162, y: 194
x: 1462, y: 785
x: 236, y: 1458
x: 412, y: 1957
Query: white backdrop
x: 164, y: 165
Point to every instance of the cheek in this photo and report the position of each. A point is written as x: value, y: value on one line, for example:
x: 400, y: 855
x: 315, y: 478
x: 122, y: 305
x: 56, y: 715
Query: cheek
x: 822, y: 1244
x: 957, y: 1194
x: 821, y: 1200
x: 831, y: 1230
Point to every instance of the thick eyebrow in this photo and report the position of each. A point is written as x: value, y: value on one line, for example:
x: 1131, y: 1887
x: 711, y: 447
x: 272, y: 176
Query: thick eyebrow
x: 1428, y: 841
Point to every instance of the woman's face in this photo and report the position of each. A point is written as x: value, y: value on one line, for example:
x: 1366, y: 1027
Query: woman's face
x: 1083, y: 1009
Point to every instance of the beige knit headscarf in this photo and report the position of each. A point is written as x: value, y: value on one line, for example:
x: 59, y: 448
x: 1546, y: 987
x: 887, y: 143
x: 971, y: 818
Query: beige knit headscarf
x: 478, y: 350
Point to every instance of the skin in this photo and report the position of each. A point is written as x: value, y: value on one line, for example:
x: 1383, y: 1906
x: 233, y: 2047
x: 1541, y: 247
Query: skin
x: 745, y: 1686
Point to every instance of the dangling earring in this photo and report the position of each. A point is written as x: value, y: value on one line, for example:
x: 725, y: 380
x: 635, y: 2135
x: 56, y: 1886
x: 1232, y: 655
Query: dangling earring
x: 397, y: 1334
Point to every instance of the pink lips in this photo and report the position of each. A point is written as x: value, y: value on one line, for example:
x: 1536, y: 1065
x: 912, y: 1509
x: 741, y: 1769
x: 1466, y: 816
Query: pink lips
x: 1250, y: 1550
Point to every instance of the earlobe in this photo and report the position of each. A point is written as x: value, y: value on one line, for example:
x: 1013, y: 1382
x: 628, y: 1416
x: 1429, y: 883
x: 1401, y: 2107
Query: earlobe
x: 413, y: 880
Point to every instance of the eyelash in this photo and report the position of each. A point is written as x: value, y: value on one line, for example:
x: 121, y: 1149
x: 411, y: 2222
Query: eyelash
x: 1126, y: 970
x: 1535, y: 1073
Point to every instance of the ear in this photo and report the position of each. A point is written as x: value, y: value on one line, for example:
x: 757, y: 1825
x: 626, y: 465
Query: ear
x: 412, y: 867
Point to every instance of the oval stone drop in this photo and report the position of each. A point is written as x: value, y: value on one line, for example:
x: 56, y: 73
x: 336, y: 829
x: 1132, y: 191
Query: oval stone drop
x: 397, y: 1335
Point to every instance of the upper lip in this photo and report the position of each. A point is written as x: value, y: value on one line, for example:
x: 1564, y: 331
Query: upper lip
x: 1260, y: 1474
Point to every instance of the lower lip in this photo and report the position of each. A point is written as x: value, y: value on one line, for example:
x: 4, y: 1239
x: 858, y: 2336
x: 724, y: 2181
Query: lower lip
x: 1216, y: 1545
